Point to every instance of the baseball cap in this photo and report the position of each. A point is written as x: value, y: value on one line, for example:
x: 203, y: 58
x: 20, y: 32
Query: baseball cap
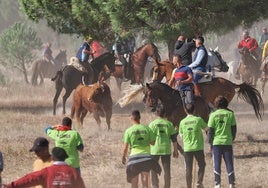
x: 59, y: 154
x: 39, y: 143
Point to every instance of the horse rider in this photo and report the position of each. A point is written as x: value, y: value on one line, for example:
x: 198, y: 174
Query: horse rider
x: 121, y: 50
x: 263, y: 38
x: 264, y: 59
x: 83, y: 55
x: 178, y: 44
x: 199, y: 62
x: 249, y: 43
x: 47, y: 53
x: 183, y: 78
x: 185, y: 51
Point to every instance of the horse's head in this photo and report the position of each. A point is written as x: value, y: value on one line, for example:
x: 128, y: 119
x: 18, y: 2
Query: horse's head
x: 61, y: 58
x: 246, y: 57
x: 150, y: 98
x: 215, y: 61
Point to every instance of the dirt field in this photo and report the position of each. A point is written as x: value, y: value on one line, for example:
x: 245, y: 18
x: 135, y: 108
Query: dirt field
x: 27, y: 110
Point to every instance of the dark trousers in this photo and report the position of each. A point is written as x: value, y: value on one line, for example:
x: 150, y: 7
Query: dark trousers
x: 165, y: 160
x: 200, y: 158
x: 225, y: 152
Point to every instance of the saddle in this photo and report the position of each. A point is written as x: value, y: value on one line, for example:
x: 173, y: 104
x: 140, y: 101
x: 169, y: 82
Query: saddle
x: 74, y: 61
x: 206, y: 76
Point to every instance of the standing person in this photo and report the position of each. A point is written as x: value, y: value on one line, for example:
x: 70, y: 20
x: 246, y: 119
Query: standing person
x: 1, y: 167
x: 221, y: 134
x: 68, y: 139
x: 47, y: 53
x: 165, y: 134
x: 138, y: 137
x: 178, y: 44
x: 185, y: 51
x: 199, y: 63
x: 191, y: 132
x: 41, y: 150
x: 263, y: 38
x: 83, y: 55
x: 58, y: 175
x: 183, y: 77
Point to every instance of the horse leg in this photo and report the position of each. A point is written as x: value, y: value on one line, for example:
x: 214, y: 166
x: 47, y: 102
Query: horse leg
x: 82, y: 116
x: 64, y: 99
x: 118, y: 83
x: 263, y: 82
x: 55, y: 99
x: 108, y: 116
x: 97, y: 117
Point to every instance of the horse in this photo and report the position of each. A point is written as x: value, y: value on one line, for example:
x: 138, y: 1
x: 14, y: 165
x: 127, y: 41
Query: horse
x: 249, y: 67
x: 219, y: 86
x: 69, y: 78
x: 137, y: 64
x: 233, y: 66
x: 43, y: 69
x: 215, y: 63
x: 94, y: 99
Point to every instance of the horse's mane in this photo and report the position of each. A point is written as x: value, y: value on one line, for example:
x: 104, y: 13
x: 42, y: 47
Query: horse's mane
x: 156, y: 51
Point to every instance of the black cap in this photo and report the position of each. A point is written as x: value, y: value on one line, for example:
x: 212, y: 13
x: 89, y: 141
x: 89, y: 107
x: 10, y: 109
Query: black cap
x: 39, y: 143
x: 59, y: 154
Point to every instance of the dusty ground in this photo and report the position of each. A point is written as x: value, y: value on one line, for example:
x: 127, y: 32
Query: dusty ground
x: 24, y: 118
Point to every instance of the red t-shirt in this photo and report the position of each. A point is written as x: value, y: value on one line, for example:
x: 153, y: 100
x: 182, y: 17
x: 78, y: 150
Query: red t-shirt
x: 249, y: 43
x: 59, y: 175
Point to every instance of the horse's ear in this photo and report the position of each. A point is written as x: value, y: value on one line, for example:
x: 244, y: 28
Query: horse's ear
x: 216, y: 49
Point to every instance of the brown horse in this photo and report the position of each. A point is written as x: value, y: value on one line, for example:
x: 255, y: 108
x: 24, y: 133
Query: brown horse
x: 138, y: 62
x: 94, y: 99
x: 43, y: 69
x: 249, y: 67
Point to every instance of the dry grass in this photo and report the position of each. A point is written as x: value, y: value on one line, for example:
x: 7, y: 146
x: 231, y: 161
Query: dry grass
x: 27, y: 110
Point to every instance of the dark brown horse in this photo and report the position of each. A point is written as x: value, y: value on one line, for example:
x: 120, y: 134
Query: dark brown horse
x: 69, y: 78
x: 42, y: 69
x: 249, y: 67
x: 218, y: 86
x: 94, y: 99
x: 138, y: 62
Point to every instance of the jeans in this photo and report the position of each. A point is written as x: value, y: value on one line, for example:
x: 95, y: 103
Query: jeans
x: 165, y: 159
x: 187, y: 97
x: 225, y: 151
x: 200, y: 158
x: 196, y: 76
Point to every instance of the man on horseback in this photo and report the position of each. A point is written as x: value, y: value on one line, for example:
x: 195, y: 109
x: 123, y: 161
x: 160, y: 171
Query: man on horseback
x: 185, y: 51
x: 47, y: 53
x: 199, y: 63
x: 250, y: 44
x: 124, y: 47
x: 83, y: 55
x: 183, y: 77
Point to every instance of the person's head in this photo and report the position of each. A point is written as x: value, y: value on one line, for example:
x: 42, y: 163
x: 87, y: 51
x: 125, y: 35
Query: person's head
x: 59, y: 154
x: 67, y: 121
x: 41, y: 148
x: 181, y: 38
x: 177, y: 60
x: 189, y: 108
x: 245, y: 34
x: 135, y: 115
x: 221, y: 102
x: 88, y: 38
x: 264, y: 30
x: 199, y: 41
x: 160, y: 111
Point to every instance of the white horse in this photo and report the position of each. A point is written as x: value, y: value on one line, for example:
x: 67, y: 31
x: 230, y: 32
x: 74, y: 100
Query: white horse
x: 233, y: 66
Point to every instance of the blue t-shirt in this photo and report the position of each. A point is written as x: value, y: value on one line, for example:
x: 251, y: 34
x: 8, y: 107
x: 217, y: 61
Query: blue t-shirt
x: 182, y: 74
x: 83, y: 57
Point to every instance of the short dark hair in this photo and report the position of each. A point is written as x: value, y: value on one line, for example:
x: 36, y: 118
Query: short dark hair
x: 59, y: 154
x: 221, y: 102
x: 67, y: 121
x: 189, y: 108
x: 201, y: 39
x: 177, y: 55
x: 136, y: 115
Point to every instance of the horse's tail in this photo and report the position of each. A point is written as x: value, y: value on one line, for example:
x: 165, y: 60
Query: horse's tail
x: 130, y: 94
x: 58, y: 76
x: 34, y: 73
x: 252, y: 96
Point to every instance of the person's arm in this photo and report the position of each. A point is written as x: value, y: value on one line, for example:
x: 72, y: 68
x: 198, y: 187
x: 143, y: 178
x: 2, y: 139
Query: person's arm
x: 234, y: 129
x: 1, y: 164
x: 197, y: 61
x: 254, y: 45
x: 265, y: 51
x: 124, y: 153
x: 211, y: 132
x: 172, y: 79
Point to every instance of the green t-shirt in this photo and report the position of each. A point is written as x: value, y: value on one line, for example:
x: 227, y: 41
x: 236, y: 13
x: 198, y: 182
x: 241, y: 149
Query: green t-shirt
x: 163, y: 129
x: 222, y: 120
x: 139, y: 137
x: 68, y: 140
x: 191, y: 130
